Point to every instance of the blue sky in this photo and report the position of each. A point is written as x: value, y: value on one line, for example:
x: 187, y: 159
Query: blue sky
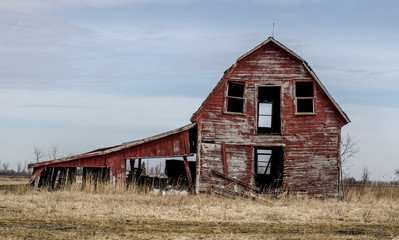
x: 94, y: 73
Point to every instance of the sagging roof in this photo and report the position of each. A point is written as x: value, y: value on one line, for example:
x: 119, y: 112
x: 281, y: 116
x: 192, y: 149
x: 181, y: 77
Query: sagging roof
x: 306, y: 65
x: 117, y: 148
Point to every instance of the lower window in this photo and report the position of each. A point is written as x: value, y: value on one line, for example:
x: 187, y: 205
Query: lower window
x: 268, y: 167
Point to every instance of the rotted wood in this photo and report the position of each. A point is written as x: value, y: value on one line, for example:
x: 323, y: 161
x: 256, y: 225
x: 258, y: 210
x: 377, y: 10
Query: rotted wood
x: 187, y: 167
x: 225, y: 167
x: 232, y: 184
x: 238, y: 181
x: 232, y: 194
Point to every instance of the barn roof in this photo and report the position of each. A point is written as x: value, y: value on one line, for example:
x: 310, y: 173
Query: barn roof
x: 306, y: 65
x: 117, y: 148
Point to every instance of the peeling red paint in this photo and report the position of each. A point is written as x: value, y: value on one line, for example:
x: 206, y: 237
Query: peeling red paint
x: 302, y: 151
x: 310, y: 141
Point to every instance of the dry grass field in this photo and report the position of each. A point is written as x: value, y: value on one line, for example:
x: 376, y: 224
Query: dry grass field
x: 367, y: 213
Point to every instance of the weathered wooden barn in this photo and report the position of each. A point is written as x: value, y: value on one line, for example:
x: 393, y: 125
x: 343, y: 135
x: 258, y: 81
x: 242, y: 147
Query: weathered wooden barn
x: 268, y: 123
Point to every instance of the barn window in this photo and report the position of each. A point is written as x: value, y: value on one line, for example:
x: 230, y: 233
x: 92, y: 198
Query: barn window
x: 265, y: 115
x: 263, y: 161
x: 269, y: 121
x: 235, y: 97
x: 304, y: 94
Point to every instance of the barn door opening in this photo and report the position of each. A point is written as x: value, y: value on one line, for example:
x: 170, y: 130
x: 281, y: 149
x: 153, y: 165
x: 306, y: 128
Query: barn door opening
x: 268, y: 167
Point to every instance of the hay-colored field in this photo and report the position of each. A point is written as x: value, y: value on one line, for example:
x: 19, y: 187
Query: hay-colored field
x: 114, y: 214
x: 13, y: 180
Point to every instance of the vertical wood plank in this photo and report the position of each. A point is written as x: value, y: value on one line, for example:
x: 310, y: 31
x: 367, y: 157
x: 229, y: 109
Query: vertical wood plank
x: 188, y: 172
x: 226, y: 171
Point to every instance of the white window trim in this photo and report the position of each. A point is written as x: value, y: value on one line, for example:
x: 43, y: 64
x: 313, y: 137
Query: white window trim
x: 313, y: 100
x: 226, y: 98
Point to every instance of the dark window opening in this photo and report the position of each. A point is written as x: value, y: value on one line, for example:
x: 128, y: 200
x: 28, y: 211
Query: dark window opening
x: 304, y: 94
x: 305, y: 105
x: 235, y: 97
x: 269, y: 120
x: 268, y: 167
x: 304, y: 89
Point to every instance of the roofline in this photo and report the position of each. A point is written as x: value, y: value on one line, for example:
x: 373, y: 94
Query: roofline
x: 105, y: 151
x: 343, y: 114
x: 210, y: 94
x: 149, y: 139
x: 271, y: 39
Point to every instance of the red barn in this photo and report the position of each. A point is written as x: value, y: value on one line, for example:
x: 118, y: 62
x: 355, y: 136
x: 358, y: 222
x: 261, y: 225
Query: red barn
x: 268, y: 123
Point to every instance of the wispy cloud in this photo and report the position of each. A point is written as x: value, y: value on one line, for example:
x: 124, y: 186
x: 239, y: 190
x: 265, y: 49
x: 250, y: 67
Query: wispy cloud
x: 288, y: 1
x: 32, y: 6
x: 53, y: 106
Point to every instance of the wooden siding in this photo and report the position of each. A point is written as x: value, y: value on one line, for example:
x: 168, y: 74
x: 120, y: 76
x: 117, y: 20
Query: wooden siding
x: 311, y: 142
x: 172, y: 144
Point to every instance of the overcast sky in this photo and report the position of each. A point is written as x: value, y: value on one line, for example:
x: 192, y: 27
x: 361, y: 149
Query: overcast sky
x: 86, y: 74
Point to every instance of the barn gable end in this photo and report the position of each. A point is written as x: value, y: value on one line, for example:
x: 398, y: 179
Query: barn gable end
x: 296, y: 143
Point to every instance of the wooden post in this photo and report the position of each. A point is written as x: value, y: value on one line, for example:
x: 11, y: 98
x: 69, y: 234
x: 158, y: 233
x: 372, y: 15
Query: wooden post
x: 132, y: 163
x: 53, y: 177
x: 140, y: 170
x: 226, y: 171
x: 84, y: 177
x: 190, y: 180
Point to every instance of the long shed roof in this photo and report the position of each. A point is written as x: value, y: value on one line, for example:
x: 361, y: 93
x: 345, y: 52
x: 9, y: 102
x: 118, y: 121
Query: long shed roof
x: 117, y: 148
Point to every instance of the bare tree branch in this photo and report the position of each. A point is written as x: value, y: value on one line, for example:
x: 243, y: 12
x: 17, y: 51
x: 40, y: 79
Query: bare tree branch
x: 5, y: 167
x: 349, y: 148
x: 19, y: 167
x: 53, y: 153
x: 38, y: 153
x: 365, y: 175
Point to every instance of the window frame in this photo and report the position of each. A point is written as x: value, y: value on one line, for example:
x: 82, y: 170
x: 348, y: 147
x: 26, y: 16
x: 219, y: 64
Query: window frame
x: 276, y: 115
x: 313, y: 98
x: 268, y: 167
x: 265, y: 115
x: 227, y: 97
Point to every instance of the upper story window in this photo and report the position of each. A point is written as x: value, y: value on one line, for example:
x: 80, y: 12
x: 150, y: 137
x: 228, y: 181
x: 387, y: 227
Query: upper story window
x: 269, y: 120
x: 235, y: 97
x: 304, y: 96
x: 265, y: 114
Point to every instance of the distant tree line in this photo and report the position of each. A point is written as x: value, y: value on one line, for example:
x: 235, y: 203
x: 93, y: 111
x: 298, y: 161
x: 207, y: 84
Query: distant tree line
x: 22, y: 169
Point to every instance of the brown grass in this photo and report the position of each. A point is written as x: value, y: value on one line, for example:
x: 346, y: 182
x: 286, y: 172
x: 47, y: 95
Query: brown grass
x: 13, y: 180
x: 368, y: 213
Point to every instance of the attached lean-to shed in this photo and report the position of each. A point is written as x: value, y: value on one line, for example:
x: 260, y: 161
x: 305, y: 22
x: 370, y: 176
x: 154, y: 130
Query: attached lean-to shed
x: 110, y: 163
x: 268, y: 123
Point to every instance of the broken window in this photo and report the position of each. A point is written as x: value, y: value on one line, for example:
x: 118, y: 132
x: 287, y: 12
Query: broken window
x: 304, y: 94
x: 263, y: 163
x: 235, y: 97
x: 268, y: 167
x: 269, y: 110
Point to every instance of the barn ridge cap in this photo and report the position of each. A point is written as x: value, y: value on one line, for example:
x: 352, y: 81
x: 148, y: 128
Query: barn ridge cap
x: 271, y: 39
